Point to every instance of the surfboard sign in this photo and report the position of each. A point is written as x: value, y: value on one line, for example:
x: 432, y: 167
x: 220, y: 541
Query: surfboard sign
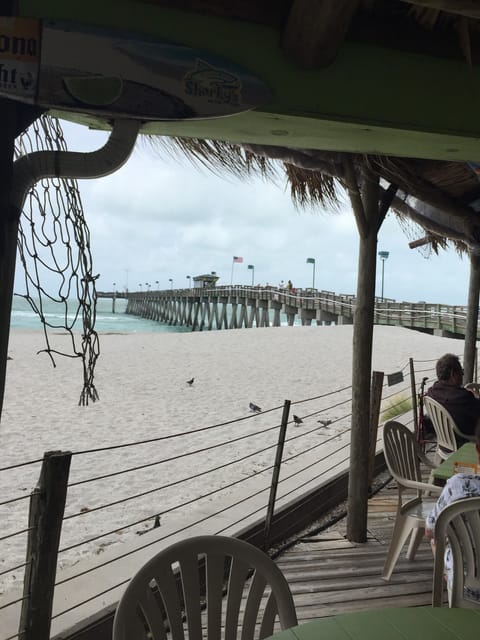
x: 111, y: 73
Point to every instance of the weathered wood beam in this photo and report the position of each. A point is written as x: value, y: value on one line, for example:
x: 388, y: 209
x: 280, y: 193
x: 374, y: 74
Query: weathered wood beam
x: 316, y: 29
x: 428, y: 224
x: 467, y: 8
x: 386, y: 200
x: 399, y: 172
x: 355, y: 196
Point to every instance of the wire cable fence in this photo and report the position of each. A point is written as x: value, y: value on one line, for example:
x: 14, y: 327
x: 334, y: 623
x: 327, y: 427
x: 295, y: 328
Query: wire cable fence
x: 214, y: 478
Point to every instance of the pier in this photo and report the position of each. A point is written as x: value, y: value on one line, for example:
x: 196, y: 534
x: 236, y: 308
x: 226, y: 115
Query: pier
x: 238, y: 307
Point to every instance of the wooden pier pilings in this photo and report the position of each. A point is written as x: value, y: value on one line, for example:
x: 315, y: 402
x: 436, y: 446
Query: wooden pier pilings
x: 246, y: 307
x: 234, y: 307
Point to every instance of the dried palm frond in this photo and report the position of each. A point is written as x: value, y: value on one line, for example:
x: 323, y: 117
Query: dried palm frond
x: 217, y: 156
x: 309, y: 188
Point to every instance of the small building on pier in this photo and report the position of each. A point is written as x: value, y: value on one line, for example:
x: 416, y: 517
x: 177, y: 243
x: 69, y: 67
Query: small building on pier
x: 207, y: 280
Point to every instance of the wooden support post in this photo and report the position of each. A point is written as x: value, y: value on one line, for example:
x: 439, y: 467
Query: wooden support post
x: 413, y: 388
x: 8, y: 233
x: 369, y: 215
x: 375, y: 402
x: 361, y: 371
x: 47, y: 504
x: 472, y: 319
x: 276, y: 473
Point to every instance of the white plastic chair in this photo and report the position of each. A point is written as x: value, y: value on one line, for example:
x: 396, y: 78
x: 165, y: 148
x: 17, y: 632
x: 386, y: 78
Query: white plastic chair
x: 445, y: 427
x: 474, y: 387
x: 458, y: 525
x: 403, y: 457
x: 195, y: 587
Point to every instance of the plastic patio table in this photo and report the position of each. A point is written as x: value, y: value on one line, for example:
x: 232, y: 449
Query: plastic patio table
x: 444, y: 471
x: 402, y: 623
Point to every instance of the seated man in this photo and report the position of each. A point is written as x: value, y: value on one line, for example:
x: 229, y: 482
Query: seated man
x: 449, y: 392
x: 459, y: 486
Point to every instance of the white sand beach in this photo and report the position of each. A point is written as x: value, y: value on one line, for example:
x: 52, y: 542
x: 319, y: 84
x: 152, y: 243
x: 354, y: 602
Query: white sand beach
x: 141, y: 380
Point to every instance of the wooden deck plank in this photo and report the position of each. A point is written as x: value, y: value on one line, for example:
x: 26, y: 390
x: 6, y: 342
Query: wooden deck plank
x: 329, y: 575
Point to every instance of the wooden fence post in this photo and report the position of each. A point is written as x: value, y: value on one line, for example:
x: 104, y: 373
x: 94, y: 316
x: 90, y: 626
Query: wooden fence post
x: 47, y: 504
x: 375, y: 402
x: 413, y: 386
x: 276, y: 473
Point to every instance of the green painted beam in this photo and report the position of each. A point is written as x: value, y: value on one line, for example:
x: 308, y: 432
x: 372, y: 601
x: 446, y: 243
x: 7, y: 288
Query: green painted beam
x: 372, y: 99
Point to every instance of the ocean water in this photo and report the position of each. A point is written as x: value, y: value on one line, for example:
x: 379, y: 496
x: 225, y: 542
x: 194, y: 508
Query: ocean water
x: 23, y: 317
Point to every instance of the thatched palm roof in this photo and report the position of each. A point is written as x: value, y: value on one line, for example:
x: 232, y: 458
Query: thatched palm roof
x: 439, y: 196
x: 314, y: 34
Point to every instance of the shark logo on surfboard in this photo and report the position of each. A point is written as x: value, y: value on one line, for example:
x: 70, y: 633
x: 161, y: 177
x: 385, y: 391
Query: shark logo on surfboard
x: 216, y: 85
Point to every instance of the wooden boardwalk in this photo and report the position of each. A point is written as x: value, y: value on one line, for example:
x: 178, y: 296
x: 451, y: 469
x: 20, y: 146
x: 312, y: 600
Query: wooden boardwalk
x: 241, y: 306
x: 330, y: 575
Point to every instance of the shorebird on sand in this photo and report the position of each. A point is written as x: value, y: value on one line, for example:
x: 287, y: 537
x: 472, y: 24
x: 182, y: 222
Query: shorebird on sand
x: 297, y: 420
x: 254, y: 407
x: 190, y: 382
x: 325, y: 423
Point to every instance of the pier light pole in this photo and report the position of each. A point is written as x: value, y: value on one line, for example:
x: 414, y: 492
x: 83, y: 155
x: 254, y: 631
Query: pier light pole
x: 383, y: 255
x: 252, y: 267
x: 312, y: 262
x: 171, y: 282
x: 157, y: 283
x: 140, y: 285
x: 189, y: 282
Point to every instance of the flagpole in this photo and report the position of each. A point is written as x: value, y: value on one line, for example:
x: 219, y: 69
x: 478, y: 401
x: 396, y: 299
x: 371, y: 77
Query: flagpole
x: 231, y: 276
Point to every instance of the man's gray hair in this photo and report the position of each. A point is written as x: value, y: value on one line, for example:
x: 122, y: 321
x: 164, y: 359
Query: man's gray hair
x: 446, y: 365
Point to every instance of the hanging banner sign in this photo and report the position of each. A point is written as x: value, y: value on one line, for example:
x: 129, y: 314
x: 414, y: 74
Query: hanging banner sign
x: 105, y: 72
x: 19, y: 58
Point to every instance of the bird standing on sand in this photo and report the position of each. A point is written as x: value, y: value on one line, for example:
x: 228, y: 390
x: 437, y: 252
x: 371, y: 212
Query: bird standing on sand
x: 297, y: 420
x: 190, y: 382
x: 325, y: 423
x: 254, y: 407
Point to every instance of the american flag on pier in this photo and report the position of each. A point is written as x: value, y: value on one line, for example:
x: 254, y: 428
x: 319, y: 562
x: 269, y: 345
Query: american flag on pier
x: 237, y: 259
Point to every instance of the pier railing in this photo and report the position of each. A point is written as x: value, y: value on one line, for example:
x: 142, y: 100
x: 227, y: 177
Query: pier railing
x: 246, y: 307
x: 126, y: 501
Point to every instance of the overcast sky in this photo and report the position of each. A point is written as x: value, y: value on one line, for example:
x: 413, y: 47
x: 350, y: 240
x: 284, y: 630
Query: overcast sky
x: 159, y: 218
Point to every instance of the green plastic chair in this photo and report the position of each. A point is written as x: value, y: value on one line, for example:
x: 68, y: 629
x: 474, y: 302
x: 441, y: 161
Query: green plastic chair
x: 201, y: 586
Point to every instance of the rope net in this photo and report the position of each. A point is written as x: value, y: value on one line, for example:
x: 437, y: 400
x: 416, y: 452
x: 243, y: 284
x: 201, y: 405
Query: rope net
x: 54, y: 246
